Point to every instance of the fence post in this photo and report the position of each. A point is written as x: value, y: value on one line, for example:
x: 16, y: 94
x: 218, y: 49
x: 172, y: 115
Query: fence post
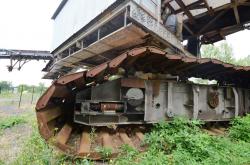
x: 32, y: 94
x: 41, y: 91
x: 20, y: 99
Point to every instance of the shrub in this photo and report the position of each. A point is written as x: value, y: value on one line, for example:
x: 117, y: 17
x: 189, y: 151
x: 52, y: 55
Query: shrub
x: 183, y: 142
x: 240, y: 129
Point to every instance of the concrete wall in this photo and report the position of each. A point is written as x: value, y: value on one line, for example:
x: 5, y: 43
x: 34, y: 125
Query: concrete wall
x: 151, y: 6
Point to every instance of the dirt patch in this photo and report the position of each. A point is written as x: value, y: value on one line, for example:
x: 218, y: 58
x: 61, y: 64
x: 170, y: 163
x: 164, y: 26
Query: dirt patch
x: 12, y: 141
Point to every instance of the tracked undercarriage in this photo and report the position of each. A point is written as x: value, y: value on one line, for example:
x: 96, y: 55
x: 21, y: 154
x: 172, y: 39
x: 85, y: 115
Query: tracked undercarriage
x: 120, y: 99
x: 137, y: 73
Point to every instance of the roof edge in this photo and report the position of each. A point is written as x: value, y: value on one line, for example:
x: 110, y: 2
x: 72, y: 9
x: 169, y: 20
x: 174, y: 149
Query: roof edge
x: 93, y: 21
x: 59, y: 8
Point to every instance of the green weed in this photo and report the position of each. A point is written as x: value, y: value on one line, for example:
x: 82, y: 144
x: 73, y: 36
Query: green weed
x: 35, y: 151
x: 240, y: 129
x: 93, y: 134
x: 11, y: 121
x: 105, y: 152
x: 68, y: 160
x: 182, y: 142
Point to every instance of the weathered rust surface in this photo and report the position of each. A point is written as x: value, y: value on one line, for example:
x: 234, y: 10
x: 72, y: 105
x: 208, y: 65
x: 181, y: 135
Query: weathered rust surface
x: 144, y: 59
x: 107, y: 141
x: 218, y: 131
x: 135, y: 83
x: 111, y: 107
x: 95, y: 71
x: 190, y: 67
x: 68, y: 78
x: 85, y: 143
x: 63, y: 135
x: 139, y: 134
x: 49, y: 114
x: 88, y: 143
x: 56, y: 103
x: 125, y: 138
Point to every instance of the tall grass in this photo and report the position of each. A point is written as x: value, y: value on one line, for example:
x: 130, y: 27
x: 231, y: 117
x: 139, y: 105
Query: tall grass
x: 37, y: 151
x: 240, y: 129
x: 10, y: 122
x: 182, y: 142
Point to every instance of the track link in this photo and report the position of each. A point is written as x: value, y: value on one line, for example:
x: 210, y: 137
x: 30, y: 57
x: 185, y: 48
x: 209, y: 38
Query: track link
x: 90, y: 142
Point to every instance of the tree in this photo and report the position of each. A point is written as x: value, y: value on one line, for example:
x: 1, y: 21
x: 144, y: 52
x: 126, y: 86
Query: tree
x: 244, y: 61
x: 40, y: 87
x: 223, y: 52
x: 5, y: 85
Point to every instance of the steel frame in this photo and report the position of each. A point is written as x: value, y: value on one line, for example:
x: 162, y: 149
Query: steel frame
x: 18, y: 58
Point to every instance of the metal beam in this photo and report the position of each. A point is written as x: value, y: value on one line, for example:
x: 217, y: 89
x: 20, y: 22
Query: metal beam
x: 193, y: 6
x: 236, y: 12
x: 212, y: 21
x: 18, y: 58
x: 165, y: 2
x: 186, y: 11
x: 188, y: 29
x: 25, y: 54
x: 245, y: 4
x: 210, y: 10
x: 171, y: 8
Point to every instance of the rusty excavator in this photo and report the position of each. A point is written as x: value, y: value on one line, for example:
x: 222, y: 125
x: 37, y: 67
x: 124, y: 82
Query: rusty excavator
x: 117, y: 69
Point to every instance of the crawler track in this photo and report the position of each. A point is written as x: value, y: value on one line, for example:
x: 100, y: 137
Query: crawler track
x: 91, y: 142
x: 88, y: 142
x: 55, y: 109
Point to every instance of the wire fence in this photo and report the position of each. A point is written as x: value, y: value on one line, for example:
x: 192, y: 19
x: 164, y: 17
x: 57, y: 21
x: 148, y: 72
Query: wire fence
x: 20, y: 96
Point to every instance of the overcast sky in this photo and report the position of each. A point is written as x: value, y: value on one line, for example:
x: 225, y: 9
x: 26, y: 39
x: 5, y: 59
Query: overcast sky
x: 26, y: 24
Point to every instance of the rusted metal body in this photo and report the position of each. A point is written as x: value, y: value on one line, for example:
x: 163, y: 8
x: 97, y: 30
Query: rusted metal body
x: 122, y: 27
x: 138, y: 73
x: 128, y: 24
x: 90, y: 98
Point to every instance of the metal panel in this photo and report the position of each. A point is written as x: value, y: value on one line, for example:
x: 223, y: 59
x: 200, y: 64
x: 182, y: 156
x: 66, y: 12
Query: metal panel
x: 148, y: 100
x: 74, y: 15
x: 160, y: 101
x: 156, y: 95
x: 124, y: 36
x: 182, y: 100
x: 110, y: 91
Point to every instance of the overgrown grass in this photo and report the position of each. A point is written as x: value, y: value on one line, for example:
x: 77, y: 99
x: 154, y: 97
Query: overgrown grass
x: 240, y: 129
x: 37, y: 151
x: 182, y: 142
x: 11, y: 121
x: 105, y: 152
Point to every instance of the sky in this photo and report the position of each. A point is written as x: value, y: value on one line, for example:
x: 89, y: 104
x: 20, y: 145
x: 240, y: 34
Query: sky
x: 27, y: 24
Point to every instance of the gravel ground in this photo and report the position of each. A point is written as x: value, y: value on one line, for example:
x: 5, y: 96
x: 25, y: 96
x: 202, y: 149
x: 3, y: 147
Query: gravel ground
x: 12, y: 141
